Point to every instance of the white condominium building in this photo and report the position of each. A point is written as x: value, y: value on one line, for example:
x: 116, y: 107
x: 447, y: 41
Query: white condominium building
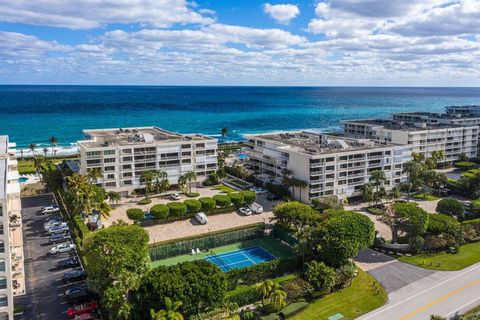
x: 422, y: 137
x: 463, y: 110
x: 123, y: 154
x: 415, y: 118
x: 12, y: 275
x: 329, y: 165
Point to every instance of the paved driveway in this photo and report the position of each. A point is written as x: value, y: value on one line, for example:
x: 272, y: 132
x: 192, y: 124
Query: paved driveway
x: 44, y: 297
x: 391, y: 273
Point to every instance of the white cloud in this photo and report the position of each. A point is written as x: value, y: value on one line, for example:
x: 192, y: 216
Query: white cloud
x: 282, y: 13
x: 87, y: 14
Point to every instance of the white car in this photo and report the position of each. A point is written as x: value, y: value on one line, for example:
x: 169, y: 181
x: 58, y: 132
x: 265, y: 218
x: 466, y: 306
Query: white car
x: 245, y: 211
x: 62, y: 248
x: 175, y: 196
x: 56, y: 224
x: 256, y: 208
x: 201, y: 217
x: 57, y: 230
x: 49, y: 209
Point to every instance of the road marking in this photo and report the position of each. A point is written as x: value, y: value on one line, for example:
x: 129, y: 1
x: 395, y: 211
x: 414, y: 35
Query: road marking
x: 460, y: 308
x: 461, y: 273
x: 442, y: 298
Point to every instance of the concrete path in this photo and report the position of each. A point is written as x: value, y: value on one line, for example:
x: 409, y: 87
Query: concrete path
x: 441, y: 293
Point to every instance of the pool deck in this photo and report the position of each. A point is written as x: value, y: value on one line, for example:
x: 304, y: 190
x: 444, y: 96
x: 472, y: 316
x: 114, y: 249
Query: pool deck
x: 273, y: 246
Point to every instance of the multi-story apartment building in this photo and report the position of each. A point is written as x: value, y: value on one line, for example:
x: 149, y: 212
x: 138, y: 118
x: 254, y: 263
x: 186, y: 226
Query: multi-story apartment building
x: 123, y: 154
x: 430, y: 118
x: 463, y: 110
x: 329, y: 165
x: 12, y: 275
x: 422, y: 137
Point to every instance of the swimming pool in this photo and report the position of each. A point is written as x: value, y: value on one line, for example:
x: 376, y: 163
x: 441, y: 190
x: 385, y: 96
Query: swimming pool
x: 240, y: 258
x: 22, y: 180
x: 241, y: 156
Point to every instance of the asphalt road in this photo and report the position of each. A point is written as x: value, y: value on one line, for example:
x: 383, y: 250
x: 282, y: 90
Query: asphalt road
x: 443, y: 293
x: 44, y: 298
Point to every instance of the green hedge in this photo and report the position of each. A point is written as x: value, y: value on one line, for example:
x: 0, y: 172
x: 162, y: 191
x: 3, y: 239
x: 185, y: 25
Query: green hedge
x: 249, y: 196
x: 465, y: 165
x: 293, y: 308
x: 208, y: 203
x: 160, y: 211
x: 172, y: 218
x: 193, y: 205
x: 135, y: 214
x: 177, y: 209
x: 222, y: 200
x: 236, y: 198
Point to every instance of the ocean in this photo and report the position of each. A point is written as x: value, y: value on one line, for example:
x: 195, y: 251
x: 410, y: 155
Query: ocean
x: 32, y: 114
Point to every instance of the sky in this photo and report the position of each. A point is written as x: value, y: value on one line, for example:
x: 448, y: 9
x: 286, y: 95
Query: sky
x: 241, y: 42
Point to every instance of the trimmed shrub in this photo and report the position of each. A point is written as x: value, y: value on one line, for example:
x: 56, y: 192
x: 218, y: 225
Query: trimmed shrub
x: 469, y: 233
x: 144, y: 201
x: 193, y: 205
x: 475, y: 223
x: 249, y: 196
x: 243, y: 296
x: 135, y: 214
x: 297, y: 288
x: 159, y: 211
x: 344, y: 275
x: 465, y: 165
x: 192, y: 195
x: 451, y: 207
x: 320, y: 276
x: 177, y: 209
x: 222, y: 200
x: 236, y: 198
x: 435, y: 243
x: 208, y: 204
x: 441, y: 223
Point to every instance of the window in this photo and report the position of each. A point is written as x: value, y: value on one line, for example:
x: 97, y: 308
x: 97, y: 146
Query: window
x: 186, y: 146
x: 186, y: 154
x: 111, y: 176
x: 110, y: 168
x: 127, y: 174
x: 127, y: 182
x: 128, y: 151
x: 92, y: 154
x: 127, y: 166
x: 200, y: 145
x: 110, y: 184
x: 93, y: 162
x: 3, y: 301
x: 127, y: 159
x: 330, y: 159
x: 3, y: 283
x: 199, y: 152
x: 2, y: 247
x: 1, y: 228
x: 109, y: 160
x: 1, y: 211
x: 186, y: 160
x: 108, y: 152
x: 2, y: 265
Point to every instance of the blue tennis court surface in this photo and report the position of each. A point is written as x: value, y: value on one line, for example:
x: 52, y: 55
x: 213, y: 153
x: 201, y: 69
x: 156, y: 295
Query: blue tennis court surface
x: 240, y: 258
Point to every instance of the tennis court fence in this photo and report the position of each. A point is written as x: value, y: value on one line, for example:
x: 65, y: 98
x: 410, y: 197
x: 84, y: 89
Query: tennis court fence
x: 176, y: 247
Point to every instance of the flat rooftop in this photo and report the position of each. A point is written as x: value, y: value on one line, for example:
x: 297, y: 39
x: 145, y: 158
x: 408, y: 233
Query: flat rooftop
x: 135, y: 136
x: 3, y: 145
x: 395, y: 125
x: 438, y: 115
x: 316, y: 143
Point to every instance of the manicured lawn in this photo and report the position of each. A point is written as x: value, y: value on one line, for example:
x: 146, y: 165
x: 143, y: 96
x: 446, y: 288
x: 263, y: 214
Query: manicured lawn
x: 426, y: 197
x: 469, y: 254
x: 224, y: 189
x: 471, y: 172
x: 376, y: 211
x: 27, y: 166
x: 270, y: 244
x: 361, y: 297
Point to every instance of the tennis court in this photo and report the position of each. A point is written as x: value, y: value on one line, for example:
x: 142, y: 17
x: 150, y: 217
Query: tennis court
x: 240, y: 258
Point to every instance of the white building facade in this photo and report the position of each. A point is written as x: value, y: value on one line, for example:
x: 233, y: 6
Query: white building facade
x: 421, y: 136
x: 12, y: 274
x: 123, y: 154
x: 329, y: 165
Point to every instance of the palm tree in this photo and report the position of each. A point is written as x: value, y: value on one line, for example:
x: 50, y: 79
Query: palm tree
x: 287, y: 180
x: 38, y: 163
x: 190, y: 176
x: 182, y: 182
x: 367, y: 192
x: 113, y: 197
x: 161, y: 181
x: 21, y: 154
x: 277, y: 297
x: 147, y: 178
x: 224, y: 132
x: 169, y: 313
x: 394, y: 194
x: 32, y: 147
x: 413, y: 170
x: 53, y: 143
x: 93, y: 174
x: 265, y: 288
x: 377, y: 177
x: 45, y: 150
x: 300, y: 184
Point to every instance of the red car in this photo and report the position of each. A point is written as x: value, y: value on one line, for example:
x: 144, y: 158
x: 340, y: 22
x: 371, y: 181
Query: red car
x: 86, y: 316
x: 80, y: 309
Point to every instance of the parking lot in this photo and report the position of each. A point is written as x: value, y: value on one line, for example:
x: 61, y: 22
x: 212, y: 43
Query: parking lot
x: 45, y: 292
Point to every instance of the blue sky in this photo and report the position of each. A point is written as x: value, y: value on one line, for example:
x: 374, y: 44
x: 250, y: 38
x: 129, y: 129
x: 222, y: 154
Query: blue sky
x: 227, y: 42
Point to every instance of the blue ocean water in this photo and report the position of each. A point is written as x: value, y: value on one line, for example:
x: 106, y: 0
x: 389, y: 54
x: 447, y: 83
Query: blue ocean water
x: 31, y: 114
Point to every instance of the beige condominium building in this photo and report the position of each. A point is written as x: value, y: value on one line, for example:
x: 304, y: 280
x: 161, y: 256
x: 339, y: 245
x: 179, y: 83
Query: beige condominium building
x: 123, y: 154
x: 12, y: 275
x: 330, y: 165
x: 421, y: 136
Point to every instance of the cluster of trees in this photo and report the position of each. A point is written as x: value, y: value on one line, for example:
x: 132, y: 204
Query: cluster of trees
x: 333, y: 236
x: 291, y: 183
x: 83, y: 196
x: 422, y: 175
x: 178, y: 210
x: 469, y: 185
x: 374, y: 191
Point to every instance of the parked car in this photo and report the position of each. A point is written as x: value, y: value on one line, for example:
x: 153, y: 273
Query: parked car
x: 201, y: 217
x: 175, y: 196
x: 82, y: 309
x: 57, y: 230
x: 52, y: 219
x: 68, y: 263
x: 255, y: 207
x: 54, y: 224
x: 77, y: 295
x: 59, y: 238
x: 258, y: 190
x: 62, y: 248
x: 245, y: 211
x: 274, y: 197
x: 74, y: 276
x: 49, y: 209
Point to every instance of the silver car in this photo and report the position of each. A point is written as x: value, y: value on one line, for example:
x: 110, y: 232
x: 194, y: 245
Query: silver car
x: 62, y: 248
x: 57, y: 230
x: 201, y: 217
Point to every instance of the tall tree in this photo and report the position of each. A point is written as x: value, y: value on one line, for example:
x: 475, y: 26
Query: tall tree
x: 32, y: 147
x: 113, y: 197
x: 265, y: 288
x: 93, y: 174
x: 191, y: 176
x: 53, y: 143
x: 45, y: 151
x: 413, y: 170
x: 224, y: 132
x: 147, y: 179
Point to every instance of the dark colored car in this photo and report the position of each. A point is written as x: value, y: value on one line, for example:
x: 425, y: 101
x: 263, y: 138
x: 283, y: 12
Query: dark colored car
x: 68, y: 263
x: 74, y: 276
x: 53, y: 218
x: 59, y: 238
x: 273, y: 197
x: 78, y: 295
